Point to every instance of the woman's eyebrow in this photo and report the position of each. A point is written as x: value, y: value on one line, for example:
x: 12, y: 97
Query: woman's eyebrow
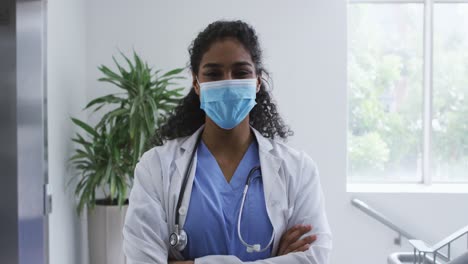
x: 212, y: 65
x: 242, y: 63
x: 236, y: 64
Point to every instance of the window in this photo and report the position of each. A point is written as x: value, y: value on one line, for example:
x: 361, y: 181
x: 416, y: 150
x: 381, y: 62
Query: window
x: 408, y: 91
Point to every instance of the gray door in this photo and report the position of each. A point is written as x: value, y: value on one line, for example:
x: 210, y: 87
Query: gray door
x: 23, y: 207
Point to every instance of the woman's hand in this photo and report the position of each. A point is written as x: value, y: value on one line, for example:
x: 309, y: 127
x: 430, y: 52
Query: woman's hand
x: 290, y: 240
x: 180, y: 262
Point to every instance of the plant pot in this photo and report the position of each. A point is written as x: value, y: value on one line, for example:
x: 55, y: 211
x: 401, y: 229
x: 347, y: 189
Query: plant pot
x: 105, y: 240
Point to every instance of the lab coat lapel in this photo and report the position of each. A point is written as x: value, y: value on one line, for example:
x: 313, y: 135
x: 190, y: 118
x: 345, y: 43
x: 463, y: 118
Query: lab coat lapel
x: 182, y: 164
x: 273, y: 186
x: 182, y: 161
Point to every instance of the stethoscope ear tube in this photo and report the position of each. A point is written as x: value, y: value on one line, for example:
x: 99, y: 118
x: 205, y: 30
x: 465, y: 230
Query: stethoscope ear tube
x: 255, y: 247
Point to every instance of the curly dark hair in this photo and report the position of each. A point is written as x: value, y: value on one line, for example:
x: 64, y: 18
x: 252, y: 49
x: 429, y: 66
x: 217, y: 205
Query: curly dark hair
x: 188, y: 116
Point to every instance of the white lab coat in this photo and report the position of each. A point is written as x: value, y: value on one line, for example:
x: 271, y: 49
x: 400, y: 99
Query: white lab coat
x: 293, y: 195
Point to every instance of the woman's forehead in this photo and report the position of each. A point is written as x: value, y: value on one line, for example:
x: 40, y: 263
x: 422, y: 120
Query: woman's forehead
x: 226, y: 52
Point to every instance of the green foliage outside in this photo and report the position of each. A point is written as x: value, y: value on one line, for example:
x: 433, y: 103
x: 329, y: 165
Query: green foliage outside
x: 385, y: 71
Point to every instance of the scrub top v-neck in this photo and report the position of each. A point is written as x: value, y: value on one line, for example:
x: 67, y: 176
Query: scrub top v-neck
x: 211, y: 222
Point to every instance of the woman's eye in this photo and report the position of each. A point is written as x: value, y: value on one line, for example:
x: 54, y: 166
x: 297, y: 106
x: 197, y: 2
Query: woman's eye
x: 243, y: 73
x: 211, y: 74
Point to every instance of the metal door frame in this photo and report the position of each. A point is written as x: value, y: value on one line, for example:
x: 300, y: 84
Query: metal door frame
x: 23, y: 143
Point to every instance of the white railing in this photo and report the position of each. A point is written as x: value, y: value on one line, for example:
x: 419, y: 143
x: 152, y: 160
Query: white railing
x: 421, y: 249
x: 382, y: 219
x: 422, y: 252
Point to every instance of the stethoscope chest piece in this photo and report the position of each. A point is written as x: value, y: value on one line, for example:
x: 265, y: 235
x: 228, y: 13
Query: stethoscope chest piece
x: 178, y: 239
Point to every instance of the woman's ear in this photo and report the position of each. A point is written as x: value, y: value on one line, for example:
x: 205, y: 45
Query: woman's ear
x: 259, y: 83
x: 195, y: 84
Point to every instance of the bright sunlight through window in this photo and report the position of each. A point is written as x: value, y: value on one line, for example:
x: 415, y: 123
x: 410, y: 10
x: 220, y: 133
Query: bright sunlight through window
x: 407, y: 92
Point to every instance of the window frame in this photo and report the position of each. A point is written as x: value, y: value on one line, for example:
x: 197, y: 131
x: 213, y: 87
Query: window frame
x: 428, y: 82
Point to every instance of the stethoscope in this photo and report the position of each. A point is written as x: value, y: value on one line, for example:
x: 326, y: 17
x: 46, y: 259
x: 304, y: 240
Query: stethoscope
x: 178, y: 238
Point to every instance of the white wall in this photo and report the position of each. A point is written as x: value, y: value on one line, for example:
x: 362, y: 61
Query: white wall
x: 305, y: 50
x: 66, y: 63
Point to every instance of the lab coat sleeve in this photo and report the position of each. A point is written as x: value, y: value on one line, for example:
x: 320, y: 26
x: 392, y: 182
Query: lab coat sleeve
x: 308, y: 208
x: 145, y: 230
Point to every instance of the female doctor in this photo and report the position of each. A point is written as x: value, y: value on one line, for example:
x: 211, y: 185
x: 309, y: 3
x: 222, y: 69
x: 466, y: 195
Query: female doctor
x: 218, y: 188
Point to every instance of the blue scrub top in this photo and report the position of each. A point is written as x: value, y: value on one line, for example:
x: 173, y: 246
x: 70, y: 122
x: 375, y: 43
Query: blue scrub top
x: 211, y: 222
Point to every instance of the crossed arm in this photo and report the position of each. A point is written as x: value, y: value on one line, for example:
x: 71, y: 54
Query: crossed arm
x: 290, y: 242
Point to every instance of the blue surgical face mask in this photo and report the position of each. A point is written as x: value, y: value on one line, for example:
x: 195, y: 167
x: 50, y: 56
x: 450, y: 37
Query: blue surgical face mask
x: 228, y: 102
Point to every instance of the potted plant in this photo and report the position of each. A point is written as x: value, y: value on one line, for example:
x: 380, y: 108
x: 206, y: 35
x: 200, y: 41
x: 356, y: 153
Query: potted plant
x: 108, y: 152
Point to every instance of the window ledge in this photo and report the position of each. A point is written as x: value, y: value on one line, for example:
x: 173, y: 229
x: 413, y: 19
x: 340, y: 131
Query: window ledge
x: 406, y: 188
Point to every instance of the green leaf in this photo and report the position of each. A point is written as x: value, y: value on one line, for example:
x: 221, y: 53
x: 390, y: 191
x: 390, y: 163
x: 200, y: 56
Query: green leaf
x: 114, y: 82
x: 173, y: 93
x: 154, y: 107
x: 81, y: 142
x: 149, y: 120
x: 109, y: 117
x: 141, y: 145
x: 116, y: 79
x: 173, y: 72
x: 134, y: 125
x: 135, y: 104
x: 136, y: 149
x: 121, y: 69
x: 120, y: 187
x: 110, y: 74
x: 130, y: 64
x: 85, y: 126
x: 110, y: 99
x: 112, y: 187
x: 108, y: 174
x: 155, y: 73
